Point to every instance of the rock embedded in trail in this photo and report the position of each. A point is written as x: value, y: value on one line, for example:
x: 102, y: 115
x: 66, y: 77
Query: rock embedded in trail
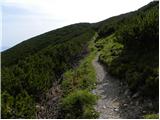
x: 116, y: 109
x: 127, y: 92
x: 104, y: 106
x: 125, y: 105
x: 136, y: 95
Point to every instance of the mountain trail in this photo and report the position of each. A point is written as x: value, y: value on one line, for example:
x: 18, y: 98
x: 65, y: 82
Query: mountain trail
x: 114, y: 101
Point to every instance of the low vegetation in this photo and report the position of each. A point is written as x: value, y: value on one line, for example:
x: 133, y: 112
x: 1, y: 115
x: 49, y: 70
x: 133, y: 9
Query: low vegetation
x: 151, y: 116
x: 79, y: 104
x: 77, y: 101
x: 24, y: 82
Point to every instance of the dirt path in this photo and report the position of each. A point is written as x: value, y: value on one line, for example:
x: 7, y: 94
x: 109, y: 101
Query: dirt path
x: 108, y: 90
x: 114, y: 101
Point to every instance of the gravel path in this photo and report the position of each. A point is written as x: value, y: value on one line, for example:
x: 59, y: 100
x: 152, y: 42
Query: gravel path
x: 108, y: 90
x: 115, y: 100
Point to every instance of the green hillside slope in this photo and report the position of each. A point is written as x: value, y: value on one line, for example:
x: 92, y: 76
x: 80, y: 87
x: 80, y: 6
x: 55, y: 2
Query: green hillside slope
x: 31, y: 67
x: 36, y: 44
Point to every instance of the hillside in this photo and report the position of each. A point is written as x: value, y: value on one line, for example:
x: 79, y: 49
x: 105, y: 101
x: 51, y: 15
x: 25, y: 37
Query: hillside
x: 36, y: 44
x: 52, y: 76
x: 30, y: 68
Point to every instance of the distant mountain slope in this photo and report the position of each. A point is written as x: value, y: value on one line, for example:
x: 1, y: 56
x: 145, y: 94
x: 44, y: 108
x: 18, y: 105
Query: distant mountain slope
x: 36, y: 44
x: 110, y: 25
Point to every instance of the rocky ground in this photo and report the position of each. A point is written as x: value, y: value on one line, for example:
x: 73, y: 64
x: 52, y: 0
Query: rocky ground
x: 48, y: 107
x: 116, y: 101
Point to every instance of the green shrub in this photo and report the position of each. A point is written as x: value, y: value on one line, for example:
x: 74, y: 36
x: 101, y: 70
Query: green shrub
x: 90, y: 113
x: 70, y: 82
x: 21, y: 106
x: 7, y: 105
x: 151, y: 116
x: 78, y: 105
x: 25, y: 106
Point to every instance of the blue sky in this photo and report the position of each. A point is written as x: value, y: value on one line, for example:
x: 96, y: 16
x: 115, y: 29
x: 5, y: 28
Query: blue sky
x: 23, y: 19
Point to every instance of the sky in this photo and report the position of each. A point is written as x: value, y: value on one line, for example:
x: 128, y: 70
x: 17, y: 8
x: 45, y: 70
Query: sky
x: 23, y: 19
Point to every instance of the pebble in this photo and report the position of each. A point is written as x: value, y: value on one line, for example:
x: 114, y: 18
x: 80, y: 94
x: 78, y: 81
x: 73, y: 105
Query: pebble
x: 128, y: 96
x: 42, y: 108
x: 121, y: 83
x: 94, y: 91
x: 116, y: 109
x: 37, y: 106
x: 150, y: 105
x: 125, y: 105
x: 137, y: 103
x: 126, y: 92
x: 144, y: 112
x: 104, y: 106
x: 135, y: 95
